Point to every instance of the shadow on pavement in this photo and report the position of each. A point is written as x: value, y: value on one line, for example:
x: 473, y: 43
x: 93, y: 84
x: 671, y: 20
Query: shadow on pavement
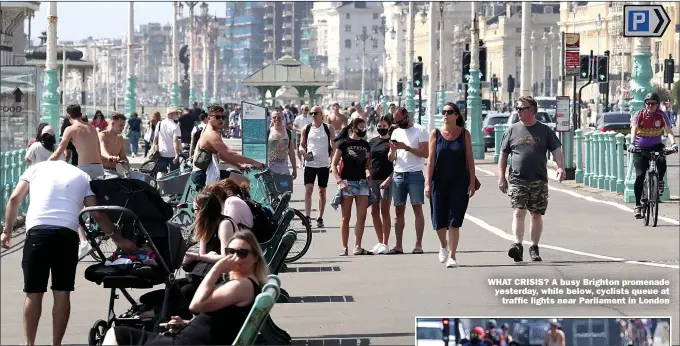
x: 316, y: 269
x: 319, y: 262
x: 362, y: 336
x: 322, y: 299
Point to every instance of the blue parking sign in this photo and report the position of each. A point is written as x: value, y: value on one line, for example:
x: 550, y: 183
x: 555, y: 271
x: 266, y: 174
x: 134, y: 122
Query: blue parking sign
x: 638, y: 20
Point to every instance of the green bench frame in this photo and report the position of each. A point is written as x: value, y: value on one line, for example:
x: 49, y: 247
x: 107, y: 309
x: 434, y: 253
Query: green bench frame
x: 259, y: 314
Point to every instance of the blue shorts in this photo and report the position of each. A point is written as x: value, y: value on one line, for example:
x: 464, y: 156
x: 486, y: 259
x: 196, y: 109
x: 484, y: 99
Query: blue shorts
x: 408, y: 184
x: 356, y: 188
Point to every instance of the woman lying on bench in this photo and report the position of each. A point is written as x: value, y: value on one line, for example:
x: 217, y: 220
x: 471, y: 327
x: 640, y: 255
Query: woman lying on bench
x: 222, y: 310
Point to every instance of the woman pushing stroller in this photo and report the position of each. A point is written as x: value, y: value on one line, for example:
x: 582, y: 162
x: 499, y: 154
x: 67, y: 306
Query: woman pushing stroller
x: 222, y: 309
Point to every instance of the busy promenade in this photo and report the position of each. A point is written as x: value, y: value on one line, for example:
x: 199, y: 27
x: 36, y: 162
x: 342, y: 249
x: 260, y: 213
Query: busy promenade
x: 373, y: 299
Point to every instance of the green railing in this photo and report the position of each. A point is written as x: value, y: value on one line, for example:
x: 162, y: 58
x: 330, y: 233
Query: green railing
x: 601, y: 163
x: 13, y: 164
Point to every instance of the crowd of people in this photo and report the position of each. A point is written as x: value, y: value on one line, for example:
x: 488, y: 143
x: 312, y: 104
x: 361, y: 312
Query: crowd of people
x: 403, y: 162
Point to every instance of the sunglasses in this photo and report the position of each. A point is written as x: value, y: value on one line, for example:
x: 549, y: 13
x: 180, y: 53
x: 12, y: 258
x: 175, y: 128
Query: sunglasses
x: 448, y: 112
x: 240, y: 253
x: 651, y: 103
x: 519, y: 109
x: 218, y: 116
x: 314, y: 113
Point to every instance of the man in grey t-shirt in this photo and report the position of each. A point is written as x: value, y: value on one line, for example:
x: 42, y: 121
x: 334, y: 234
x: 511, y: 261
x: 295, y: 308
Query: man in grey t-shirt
x: 528, y: 141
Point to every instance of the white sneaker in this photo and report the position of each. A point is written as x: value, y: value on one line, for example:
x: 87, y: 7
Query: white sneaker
x: 375, y: 248
x: 443, y: 254
x: 383, y: 249
x: 84, y: 249
x: 451, y: 263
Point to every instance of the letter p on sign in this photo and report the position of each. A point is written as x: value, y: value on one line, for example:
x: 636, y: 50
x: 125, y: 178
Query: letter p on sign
x: 639, y: 20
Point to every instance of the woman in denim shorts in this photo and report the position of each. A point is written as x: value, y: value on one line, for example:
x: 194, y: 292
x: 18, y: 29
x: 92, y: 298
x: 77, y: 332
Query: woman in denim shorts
x: 381, y: 184
x: 353, y: 180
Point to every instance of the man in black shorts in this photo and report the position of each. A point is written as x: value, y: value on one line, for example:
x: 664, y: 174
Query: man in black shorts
x: 58, y: 192
x: 317, y: 145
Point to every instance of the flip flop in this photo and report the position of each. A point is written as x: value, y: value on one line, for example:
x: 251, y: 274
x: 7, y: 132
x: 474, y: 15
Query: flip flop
x: 417, y: 251
x: 395, y: 252
x: 361, y: 252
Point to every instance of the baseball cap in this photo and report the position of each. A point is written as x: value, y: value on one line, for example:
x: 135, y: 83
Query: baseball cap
x: 47, y: 130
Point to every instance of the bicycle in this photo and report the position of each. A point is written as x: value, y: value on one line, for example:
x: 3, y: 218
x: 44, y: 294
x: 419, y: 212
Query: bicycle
x: 650, y: 192
x: 266, y: 191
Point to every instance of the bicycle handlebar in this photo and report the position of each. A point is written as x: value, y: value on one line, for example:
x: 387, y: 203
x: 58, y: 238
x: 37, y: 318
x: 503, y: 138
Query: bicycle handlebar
x: 664, y: 151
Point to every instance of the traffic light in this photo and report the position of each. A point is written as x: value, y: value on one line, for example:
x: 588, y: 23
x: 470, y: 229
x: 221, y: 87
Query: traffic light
x: 466, y: 66
x: 668, y: 71
x: 511, y: 84
x: 494, y: 83
x: 417, y: 75
x: 445, y: 330
x: 400, y: 88
x: 603, y: 69
x: 584, y: 70
x: 482, y: 63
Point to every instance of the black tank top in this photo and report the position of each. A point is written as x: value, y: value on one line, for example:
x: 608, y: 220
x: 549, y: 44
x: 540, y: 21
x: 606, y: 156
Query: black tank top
x: 218, y: 327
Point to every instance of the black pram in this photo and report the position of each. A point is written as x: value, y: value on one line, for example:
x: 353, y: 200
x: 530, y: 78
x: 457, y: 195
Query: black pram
x: 140, y: 213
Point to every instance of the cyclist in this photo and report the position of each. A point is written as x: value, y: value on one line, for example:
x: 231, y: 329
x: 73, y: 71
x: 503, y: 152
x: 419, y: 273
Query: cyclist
x: 647, y: 128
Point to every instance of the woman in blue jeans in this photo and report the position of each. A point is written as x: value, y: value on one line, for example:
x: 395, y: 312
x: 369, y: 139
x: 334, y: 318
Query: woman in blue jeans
x: 353, y: 180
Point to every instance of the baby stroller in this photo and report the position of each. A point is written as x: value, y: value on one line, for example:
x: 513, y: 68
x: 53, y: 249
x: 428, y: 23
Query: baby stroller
x: 141, y: 215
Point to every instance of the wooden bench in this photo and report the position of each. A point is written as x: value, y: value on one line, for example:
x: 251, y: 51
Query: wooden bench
x: 259, y: 314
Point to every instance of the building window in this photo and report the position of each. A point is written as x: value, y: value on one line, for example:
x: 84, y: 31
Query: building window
x: 375, y: 44
x: 348, y: 16
x: 548, y: 9
x: 546, y: 29
x: 374, y: 29
x: 348, y: 44
x: 518, y: 30
x: 376, y: 15
x: 518, y: 51
x: 348, y: 28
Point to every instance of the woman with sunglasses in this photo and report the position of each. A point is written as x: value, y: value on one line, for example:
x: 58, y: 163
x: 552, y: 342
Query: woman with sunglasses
x: 212, y: 230
x: 353, y: 180
x: 222, y: 309
x: 99, y: 122
x: 450, y: 180
x: 381, y: 184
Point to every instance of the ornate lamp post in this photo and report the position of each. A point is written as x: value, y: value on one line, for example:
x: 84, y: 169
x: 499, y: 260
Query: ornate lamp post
x: 205, y: 21
x: 552, y: 37
x: 192, y: 23
x: 598, y: 26
x: 383, y: 29
x: 50, y: 105
x: 174, y: 94
x: 217, y: 40
x: 474, y: 100
x: 532, y: 46
x: 363, y: 37
x: 546, y: 47
x: 442, y: 96
x: 130, y: 96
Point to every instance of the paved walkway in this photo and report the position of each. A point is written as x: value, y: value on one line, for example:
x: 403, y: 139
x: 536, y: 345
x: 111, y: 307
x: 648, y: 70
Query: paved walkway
x: 374, y: 299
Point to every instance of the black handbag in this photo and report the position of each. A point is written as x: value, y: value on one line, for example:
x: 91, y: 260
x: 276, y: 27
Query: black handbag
x: 203, y: 159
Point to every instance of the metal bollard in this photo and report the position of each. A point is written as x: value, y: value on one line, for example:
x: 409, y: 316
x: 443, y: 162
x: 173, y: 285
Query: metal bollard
x: 620, y: 173
x: 612, y: 154
x: 596, y: 160
x: 589, y: 159
x: 498, y: 131
x: 628, y: 192
x: 579, y: 155
x: 602, y: 148
x: 607, y: 161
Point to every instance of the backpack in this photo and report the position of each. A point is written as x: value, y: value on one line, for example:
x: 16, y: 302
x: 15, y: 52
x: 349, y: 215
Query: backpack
x: 263, y: 221
x: 328, y: 134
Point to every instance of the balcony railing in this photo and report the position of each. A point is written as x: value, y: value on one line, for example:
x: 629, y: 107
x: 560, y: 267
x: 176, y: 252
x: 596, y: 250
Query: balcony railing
x: 243, y: 20
x: 268, y: 14
x: 287, y: 37
x: 287, y: 13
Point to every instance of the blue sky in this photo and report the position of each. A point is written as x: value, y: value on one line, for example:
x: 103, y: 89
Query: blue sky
x: 101, y: 19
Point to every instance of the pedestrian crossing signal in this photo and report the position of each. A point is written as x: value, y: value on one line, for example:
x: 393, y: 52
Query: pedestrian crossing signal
x: 602, y: 69
x: 400, y: 88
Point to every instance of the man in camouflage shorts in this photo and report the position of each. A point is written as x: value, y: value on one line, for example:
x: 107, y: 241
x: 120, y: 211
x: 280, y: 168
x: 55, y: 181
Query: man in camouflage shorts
x: 528, y: 142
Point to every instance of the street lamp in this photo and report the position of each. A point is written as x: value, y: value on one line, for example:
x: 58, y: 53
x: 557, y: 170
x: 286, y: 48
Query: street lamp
x: 442, y: 96
x: 546, y: 46
x: 130, y: 95
x: 552, y: 37
x: 532, y: 46
x: 49, y: 112
x: 192, y: 94
x: 205, y: 21
x: 363, y: 37
x: 598, y: 27
x: 174, y: 93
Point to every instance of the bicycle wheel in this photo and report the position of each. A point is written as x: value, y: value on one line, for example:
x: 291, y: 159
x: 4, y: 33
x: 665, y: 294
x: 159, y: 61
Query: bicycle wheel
x: 645, y: 202
x: 301, y: 226
x: 654, y: 199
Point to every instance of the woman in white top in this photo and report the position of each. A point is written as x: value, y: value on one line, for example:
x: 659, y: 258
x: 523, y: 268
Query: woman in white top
x: 42, y: 149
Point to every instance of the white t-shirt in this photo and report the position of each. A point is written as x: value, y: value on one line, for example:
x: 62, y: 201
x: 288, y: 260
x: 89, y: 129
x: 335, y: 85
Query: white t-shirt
x: 57, y: 190
x: 37, y: 153
x: 412, y: 136
x: 166, y: 132
x: 301, y: 122
x: 317, y: 143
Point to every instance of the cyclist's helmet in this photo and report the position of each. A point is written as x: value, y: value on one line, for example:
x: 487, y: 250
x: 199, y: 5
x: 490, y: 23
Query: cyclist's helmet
x: 491, y: 324
x: 652, y: 97
x: 477, y: 333
x: 505, y: 326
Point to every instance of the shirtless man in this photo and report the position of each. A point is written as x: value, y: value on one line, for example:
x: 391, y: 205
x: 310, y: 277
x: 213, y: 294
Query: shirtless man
x: 84, y: 138
x: 336, y: 119
x: 211, y: 141
x: 111, y: 144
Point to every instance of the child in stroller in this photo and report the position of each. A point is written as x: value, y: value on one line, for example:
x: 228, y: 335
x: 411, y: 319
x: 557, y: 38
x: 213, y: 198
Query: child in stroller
x: 141, y: 215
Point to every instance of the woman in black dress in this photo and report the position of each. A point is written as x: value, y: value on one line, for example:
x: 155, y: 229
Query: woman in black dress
x: 222, y: 309
x: 450, y: 180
